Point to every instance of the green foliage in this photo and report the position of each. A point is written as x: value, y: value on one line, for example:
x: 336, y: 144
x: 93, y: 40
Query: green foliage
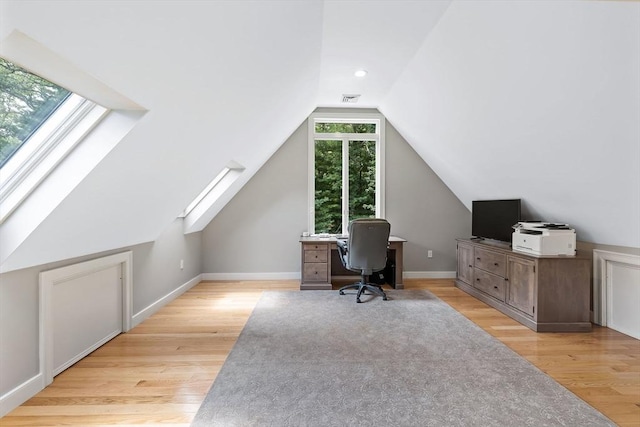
x: 328, y: 183
x: 362, y: 179
x: 345, y: 128
x: 26, y: 101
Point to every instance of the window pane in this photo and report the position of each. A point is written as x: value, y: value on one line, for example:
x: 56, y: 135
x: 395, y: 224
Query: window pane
x: 328, y: 187
x: 345, y: 127
x: 362, y: 179
x: 26, y: 101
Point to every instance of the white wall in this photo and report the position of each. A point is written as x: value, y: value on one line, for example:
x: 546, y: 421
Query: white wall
x: 257, y: 234
x: 156, y: 273
x: 221, y: 80
x: 537, y: 100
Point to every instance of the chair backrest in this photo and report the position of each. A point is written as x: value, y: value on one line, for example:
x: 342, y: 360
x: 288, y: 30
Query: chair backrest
x: 368, y: 242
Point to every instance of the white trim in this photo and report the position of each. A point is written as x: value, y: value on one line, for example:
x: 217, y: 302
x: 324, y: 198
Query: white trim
x: 380, y: 170
x: 602, y: 261
x: 295, y: 275
x: 20, y: 394
x: 52, y: 277
x: 45, y: 149
x: 152, y: 308
x: 429, y: 274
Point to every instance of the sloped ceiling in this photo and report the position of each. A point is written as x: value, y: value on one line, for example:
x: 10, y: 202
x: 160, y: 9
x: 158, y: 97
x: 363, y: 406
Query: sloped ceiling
x: 536, y: 100
x: 532, y: 100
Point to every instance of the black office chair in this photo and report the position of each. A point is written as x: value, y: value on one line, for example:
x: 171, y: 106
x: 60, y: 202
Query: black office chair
x: 365, y: 251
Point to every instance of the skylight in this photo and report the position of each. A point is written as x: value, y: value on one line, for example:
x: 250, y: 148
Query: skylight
x: 26, y: 102
x: 202, y: 209
x: 40, y: 123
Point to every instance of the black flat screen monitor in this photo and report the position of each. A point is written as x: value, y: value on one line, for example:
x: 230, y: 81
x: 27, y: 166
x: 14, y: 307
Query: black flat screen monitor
x: 493, y: 219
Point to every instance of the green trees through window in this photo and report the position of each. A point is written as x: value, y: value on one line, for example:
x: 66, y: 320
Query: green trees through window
x: 26, y: 101
x: 345, y: 170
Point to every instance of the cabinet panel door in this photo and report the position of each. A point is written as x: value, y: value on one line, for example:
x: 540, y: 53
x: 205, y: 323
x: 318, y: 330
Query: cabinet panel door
x: 465, y: 263
x: 521, y: 290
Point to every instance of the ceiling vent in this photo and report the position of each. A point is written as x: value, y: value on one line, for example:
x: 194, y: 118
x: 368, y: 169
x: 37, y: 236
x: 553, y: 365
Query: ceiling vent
x: 351, y: 99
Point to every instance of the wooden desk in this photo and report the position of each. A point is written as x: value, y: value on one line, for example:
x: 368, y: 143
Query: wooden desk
x: 316, y: 259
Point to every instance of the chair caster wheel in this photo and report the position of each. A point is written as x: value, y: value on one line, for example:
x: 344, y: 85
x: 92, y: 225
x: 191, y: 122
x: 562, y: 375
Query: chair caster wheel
x: 358, y: 301
x: 341, y: 293
x: 385, y: 299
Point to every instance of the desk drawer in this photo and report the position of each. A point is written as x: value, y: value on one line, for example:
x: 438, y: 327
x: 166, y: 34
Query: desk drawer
x: 315, y: 272
x: 315, y: 255
x: 314, y: 247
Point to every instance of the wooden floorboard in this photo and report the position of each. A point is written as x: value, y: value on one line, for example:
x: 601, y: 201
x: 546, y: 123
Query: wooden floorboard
x: 160, y: 371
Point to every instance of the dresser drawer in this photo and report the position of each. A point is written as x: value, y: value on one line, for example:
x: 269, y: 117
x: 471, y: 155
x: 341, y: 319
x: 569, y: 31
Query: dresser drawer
x: 490, y: 261
x: 489, y: 284
x: 315, y: 255
x: 315, y: 272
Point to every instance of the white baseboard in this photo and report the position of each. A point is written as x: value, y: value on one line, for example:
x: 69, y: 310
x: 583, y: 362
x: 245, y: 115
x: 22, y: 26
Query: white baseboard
x: 154, y: 307
x: 429, y: 274
x: 25, y: 391
x: 295, y: 275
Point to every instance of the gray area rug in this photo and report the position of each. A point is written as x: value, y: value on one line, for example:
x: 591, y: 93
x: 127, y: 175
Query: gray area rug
x: 315, y: 358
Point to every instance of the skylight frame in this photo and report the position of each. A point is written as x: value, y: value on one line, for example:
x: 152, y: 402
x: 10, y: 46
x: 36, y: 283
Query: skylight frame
x: 205, y: 192
x: 45, y: 149
x: 212, y: 192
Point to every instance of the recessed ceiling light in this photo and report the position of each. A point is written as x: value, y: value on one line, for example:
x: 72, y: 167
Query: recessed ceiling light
x: 360, y: 73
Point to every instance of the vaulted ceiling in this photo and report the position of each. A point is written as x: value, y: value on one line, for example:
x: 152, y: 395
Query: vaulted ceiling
x: 536, y: 100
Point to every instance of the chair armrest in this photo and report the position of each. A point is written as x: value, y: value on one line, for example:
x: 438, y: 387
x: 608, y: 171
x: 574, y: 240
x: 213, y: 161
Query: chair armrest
x: 343, y: 248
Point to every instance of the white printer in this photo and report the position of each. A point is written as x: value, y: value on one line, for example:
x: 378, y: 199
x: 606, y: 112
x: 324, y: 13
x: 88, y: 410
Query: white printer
x: 544, y: 238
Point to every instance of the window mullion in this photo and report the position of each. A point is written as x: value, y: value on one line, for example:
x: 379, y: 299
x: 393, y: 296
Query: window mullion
x: 345, y: 185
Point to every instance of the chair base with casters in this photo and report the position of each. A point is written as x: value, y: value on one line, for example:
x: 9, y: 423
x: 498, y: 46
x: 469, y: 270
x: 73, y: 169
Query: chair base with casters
x: 363, y: 285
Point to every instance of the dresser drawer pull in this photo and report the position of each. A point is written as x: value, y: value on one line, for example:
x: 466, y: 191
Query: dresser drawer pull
x: 495, y: 263
x: 495, y: 287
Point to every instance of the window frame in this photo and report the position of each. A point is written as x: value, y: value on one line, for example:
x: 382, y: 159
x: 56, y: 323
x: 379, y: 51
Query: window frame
x: 213, y: 191
x: 47, y: 147
x: 379, y: 138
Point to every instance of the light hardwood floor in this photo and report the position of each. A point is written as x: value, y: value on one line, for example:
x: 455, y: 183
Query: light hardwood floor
x: 160, y: 371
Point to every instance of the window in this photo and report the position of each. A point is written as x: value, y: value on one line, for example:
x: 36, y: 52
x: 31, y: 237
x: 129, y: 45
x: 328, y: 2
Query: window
x: 214, y: 190
x: 40, y: 123
x: 346, y: 162
x: 27, y: 101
